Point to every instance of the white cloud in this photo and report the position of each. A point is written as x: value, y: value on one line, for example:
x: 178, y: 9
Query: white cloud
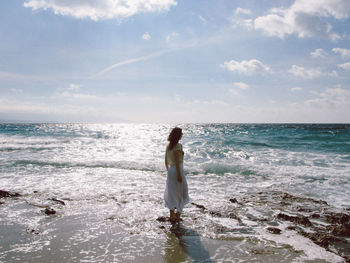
x: 246, y: 66
x: 334, y: 97
x: 69, y: 106
x: 243, y: 11
x: 238, y: 21
x: 202, y: 19
x: 238, y: 86
x: 345, y: 66
x: 101, y: 9
x: 79, y: 96
x: 12, y: 106
x: 233, y: 92
x: 207, y: 102
x: 318, y: 53
x: 171, y: 36
x: 15, y: 90
x: 146, y: 36
x: 305, y: 73
x: 345, y: 53
x: 5, y: 74
x: 305, y: 18
x: 332, y: 105
x: 129, y: 61
x: 334, y: 74
x: 14, y: 75
x: 274, y: 25
x: 296, y: 89
x: 74, y: 87
x: 241, y: 85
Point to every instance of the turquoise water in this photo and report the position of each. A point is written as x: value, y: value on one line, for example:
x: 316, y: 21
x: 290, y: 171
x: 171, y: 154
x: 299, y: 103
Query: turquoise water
x: 313, y: 159
x: 117, y: 171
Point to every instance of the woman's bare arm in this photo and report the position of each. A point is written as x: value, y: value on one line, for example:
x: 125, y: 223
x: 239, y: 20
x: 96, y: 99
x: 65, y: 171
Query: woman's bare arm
x: 177, y: 164
x: 166, y: 161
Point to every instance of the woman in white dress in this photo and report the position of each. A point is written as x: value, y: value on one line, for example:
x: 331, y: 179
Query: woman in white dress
x: 176, y: 191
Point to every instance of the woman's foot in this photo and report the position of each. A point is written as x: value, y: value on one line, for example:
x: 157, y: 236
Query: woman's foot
x: 172, y: 218
x: 178, y: 217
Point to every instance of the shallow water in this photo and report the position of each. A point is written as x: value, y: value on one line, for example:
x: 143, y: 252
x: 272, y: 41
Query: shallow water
x: 111, y: 178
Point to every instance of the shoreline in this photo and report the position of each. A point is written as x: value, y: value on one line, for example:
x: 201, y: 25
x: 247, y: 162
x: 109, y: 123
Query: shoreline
x: 78, y: 237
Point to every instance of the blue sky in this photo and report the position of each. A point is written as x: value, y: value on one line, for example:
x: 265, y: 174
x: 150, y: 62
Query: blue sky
x: 175, y: 61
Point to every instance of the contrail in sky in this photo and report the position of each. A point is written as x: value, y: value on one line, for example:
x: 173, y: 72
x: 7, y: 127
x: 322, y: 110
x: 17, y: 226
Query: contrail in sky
x: 130, y: 61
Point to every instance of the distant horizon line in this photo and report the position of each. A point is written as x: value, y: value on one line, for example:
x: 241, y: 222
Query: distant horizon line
x: 134, y: 122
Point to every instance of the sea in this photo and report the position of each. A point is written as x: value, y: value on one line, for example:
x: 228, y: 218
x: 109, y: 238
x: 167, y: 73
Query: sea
x: 105, y: 184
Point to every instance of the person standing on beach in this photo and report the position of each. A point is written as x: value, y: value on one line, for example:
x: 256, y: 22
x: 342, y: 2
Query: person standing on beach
x: 176, y: 190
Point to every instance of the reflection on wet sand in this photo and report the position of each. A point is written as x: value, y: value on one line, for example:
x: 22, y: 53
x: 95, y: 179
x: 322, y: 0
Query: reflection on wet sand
x: 183, y: 243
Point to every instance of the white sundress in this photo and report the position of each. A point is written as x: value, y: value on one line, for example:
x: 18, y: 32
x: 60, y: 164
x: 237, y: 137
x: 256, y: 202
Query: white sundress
x: 176, y: 193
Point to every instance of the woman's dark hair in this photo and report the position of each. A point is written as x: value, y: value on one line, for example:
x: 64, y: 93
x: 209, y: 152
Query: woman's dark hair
x: 174, y: 137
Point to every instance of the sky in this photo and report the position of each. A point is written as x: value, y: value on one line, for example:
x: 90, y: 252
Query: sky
x: 175, y: 61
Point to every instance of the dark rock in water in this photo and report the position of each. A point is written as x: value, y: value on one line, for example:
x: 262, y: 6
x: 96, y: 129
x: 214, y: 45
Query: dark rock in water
x: 261, y: 251
x: 301, y: 199
x: 283, y: 203
x: 162, y: 219
x: 321, y: 239
x: 233, y: 200
x: 215, y: 213
x: 340, y: 230
x: 1, y: 203
x: 274, y: 230
x: 199, y: 206
x: 330, y: 228
x: 35, y: 192
x: 295, y: 228
x: 233, y: 216
x: 315, y: 215
x: 321, y: 202
x: 32, y: 231
x: 58, y: 201
x: 4, y: 194
x: 287, y: 196
x: 8, y: 194
x: 220, y: 229
x: 49, y: 211
x: 295, y: 219
x: 338, y: 218
x: 303, y: 209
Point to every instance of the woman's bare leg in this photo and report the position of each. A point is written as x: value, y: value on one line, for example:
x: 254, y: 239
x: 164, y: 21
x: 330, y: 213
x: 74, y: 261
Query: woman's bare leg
x: 172, y: 215
x: 178, y: 216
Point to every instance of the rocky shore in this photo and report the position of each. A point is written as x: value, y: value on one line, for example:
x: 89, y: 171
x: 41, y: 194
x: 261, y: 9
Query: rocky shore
x: 275, y: 212
x: 326, y: 226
